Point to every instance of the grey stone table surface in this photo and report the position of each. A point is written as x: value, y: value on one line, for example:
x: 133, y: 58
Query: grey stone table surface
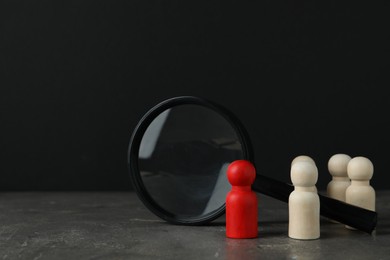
x: 116, y: 225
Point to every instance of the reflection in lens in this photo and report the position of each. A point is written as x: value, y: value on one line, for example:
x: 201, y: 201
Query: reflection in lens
x: 183, y: 158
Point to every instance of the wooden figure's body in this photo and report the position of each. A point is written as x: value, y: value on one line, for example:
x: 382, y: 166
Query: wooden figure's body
x: 241, y: 201
x: 304, y: 202
x: 241, y: 217
x: 360, y: 192
x: 304, y: 208
x: 337, y: 187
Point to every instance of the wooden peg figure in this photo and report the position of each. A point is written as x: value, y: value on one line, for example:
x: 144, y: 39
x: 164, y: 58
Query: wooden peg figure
x: 241, y: 201
x: 337, y: 167
x: 360, y: 193
x: 304, y: 202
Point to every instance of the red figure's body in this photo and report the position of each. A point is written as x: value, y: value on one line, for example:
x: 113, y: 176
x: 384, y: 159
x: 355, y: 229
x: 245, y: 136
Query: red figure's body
x: 241, y: 201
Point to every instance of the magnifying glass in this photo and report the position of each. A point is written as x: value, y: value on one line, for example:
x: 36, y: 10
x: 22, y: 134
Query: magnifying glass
x: 178, y: 155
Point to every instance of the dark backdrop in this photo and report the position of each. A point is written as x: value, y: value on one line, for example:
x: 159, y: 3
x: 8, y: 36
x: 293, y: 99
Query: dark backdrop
x: 76, y: 76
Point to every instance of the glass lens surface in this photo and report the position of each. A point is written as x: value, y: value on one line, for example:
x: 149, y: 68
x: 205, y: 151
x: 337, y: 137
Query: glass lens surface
x: 183, y: 157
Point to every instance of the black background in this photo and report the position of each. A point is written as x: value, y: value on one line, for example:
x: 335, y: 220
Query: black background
x: 76, y: 76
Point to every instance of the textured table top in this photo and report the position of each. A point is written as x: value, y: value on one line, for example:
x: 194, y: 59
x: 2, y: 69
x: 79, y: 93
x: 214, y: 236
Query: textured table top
x: 116, y: 225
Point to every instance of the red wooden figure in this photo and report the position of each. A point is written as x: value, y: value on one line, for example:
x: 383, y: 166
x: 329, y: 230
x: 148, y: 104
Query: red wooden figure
x: 241, y: 201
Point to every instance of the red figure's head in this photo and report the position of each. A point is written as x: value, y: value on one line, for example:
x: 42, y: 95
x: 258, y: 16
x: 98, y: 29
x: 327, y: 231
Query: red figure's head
x: 241, y: 173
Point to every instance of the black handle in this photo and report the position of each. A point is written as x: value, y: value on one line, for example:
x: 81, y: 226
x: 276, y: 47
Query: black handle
x: 353, y: 216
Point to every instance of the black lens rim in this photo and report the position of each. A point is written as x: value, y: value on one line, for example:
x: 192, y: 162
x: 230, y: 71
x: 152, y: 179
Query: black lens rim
x: 134, y: 145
